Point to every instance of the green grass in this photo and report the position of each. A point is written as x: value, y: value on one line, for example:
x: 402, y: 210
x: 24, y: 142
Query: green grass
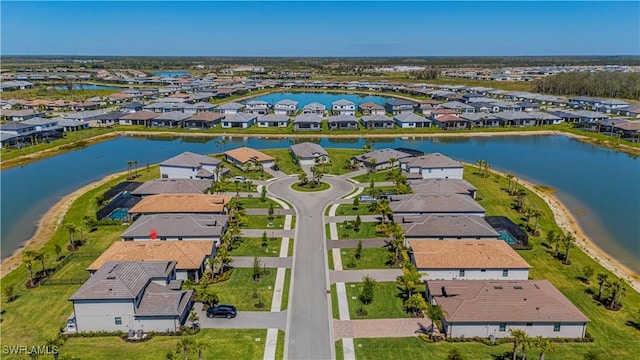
x: 335, y: 309
x: 285, y: 290
x: 238, y: 290
x: 222, y: 344
x: 247, y: 246
x: 387, y: 303
x: 262, y: 222
x: 339, y: 350
x: 367, y: 231
x: 76, y: 268
x: 306, y: 188
x: 347, y: 209
x: 255, y: 203
x: 371, y: 258
x: 284, y: 160
x: 235, y: 171
x: 339, y: 158
x: 378, y: 176
x: 290, y: 249
x: 330, y: 260
x: 53, y: 94
x: 280, y: 345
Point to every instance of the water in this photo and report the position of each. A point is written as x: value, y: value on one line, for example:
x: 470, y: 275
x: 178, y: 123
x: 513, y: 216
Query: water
x: 87, y: 87
x: 323, y: 98
x: 170, y: 73
x: 599, y: 186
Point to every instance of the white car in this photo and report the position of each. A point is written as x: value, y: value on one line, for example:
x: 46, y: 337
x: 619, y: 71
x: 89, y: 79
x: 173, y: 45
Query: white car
x: 71, y: 326
x: 240, y: 179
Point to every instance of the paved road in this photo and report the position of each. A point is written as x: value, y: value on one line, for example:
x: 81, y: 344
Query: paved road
x: 309, y: 323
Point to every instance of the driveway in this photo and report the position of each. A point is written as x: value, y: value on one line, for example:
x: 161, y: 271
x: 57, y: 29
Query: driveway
x: 309, y: 323
x: 244, y: 320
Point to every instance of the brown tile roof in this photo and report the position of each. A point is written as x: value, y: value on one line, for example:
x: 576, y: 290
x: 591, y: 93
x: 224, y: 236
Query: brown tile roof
x: 189, y: 254
x: 141, y: 115
x: 466, y: 254
x: 480, y: 301
x: 207, y: 116
x: 370, y: 106
x: 179, y: 96
x: 448, y: 118
x: 181, y: 203
x: 120, y: 96
x: 245, y: 154
x: 441, y: 111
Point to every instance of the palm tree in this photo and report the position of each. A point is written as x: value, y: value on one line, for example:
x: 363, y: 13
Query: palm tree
x: 184, y: 345
x: 536, y: 214
x: 486, y: 169
x: 40, y: 256
x: 392, y: 161
x: 381, y: 206
x: 367, y: 147
x: 509, y: 177
x: 519, y: 336
x: 553, y: 239
x: 212, y: 263
x: 602, y: 279
x: 193, y: 318
x: 480, y: 163
x: 303, y: 179
x: 618, y: 290
x: 409, y: 279
x: 372, y: 164
x: 543, y: 346
x: 200, y: 346
x: 135, y: 162
x: 72, y: 230
x: 28, y: 256
x: 521, y: 195
x: 129, y: 165
x: 434, y: 313
x: 568, y: 242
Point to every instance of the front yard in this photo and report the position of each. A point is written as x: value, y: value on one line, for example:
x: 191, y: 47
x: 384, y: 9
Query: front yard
x: 371, y: 258
x: 255, y: 203
x: 252, y: 246
x: 349, y: 209
x: 387, y: 302
x: 262, y: 222
x: 367, y: 231
x: 239, y: 289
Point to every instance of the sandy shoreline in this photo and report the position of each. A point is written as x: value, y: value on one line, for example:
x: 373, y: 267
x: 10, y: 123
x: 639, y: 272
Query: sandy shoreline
x: 48, y: 224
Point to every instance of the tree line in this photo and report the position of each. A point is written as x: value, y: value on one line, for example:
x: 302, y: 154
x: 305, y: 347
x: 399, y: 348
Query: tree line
x: 600, y: 84
x: 425, y: 74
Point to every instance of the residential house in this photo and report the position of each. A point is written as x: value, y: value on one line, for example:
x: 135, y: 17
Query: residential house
x: 380, y: 159
x: 131, y: 297
x: 481, y: 119
x: 21, y: 115
x: 433, y: 166
x: 197, y: 107
x: 308, y: 153
x: 528, y: 106
x: 449, y: 122
x: 445, y: 227
x: 274, y: 120
x: 131, y: 107
x: 238, y: 120
x: 170, y: 120
x: 230, y: 108
x: 203, y: 120
x: 257, y: 107
x: 343, y: 107
x: 109, y: 119
x: 343, y: 122
x: 73, y: 124
x: 371, y: 108
x: 180, y: 203
x: 467, y: 259
x: 165, y: 107
x: 177, y: 227
x: 286, y: 107
x: 459, y: 107
x: 15, y: 85
x: 491, y: 308
x: 443, y: 186
x: 439, y: 204
x: 411, y: 120
x: 247, y: 158
x: 399, y: 106
x: 143, y: 118
x: 315, y: 108
x: 307, y: 122
x: 189, y: 165
x: 17, y: 134
x: 172, y: 186
x: 47, y: 128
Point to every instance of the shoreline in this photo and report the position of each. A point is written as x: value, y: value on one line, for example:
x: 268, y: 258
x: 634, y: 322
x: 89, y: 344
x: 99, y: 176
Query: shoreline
x: 567, y: 223
x: 48, y: 224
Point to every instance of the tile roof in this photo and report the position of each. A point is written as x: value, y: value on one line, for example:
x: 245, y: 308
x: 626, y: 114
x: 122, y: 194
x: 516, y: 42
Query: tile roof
x: 275, y: 118
x: 342, y: 118
x: 190, y: 160
x: 442, y: 186
x: 342, y: 102
x: 188, y: 254
x: 308, y: 150
x: 410, y: 117
x: 245, y: 154
x: 503, y: 301
x: 207, y: 116
x: 239, y: 117
x: 231, y: 106
x: 370, y: 106
x: 307, y: 118
x: 435, y: 226
x: 377, y: 117
x: 173, y: 116
x: 181, y: 203
x: 141, y: 115
x: 159, y: 300
x: 466, y: 254
x: 315, y: 106
x: 382, y: 156
x: 434, y: 203
x: 177, y: 225
x: 435, y: 160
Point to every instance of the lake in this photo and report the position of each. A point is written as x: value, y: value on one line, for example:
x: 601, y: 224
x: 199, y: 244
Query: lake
x: 323, y: 98
x: 89, y: 87
x: 170, y: 73
x: 598, y: 185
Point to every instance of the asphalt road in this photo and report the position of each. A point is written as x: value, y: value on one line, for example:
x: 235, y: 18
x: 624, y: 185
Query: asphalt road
x: 309, y: 323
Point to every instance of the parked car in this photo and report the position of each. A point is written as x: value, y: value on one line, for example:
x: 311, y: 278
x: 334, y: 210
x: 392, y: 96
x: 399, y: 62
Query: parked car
x: 275, y: 168
x: 71, y: 326
x: 367, y: 199
x: 241, y: 179
x: 228, y: 311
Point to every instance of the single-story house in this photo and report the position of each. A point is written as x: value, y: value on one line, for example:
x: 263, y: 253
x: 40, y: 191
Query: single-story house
x: 399, y: 106
x: 197, y: 107
x: 490, y: 308
x: 247, y: 158
x: 378, y: 121
x: 371, y: 108
x: 131, y: 107
x: 308, y: 153
x: 432, y: 166
x: 344, y: 107
x: 109, y: 119
x: 181, y: 203
x: 315, y: 108
x: 132, y: 296
x: 170, y: 120
x: 443, y: 186
x: 239, y: 120
x: 458, y: 107
x: 46, y: 127
x: 528, y: 106
x: 73, y: 124
x: 20, y: 115
x: 286, y: 107
x: 177, y: 227
x: 343, y: 122
x: 189, y: 165
x: 307, y: 122
x: 445, y: 227
x: 139, y: 118
x: 380, y: 159
x: 449, y: 122
x: 467, y: 260
x: 441, y: 204
x: 411, y: 120
x: 172, y: 186
x: 274, y: 120
x: 230, y: 108
x: 481, y: 119
x: 203, y: 120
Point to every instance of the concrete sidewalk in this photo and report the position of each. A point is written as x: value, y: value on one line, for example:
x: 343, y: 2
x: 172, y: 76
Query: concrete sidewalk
x: 363, y: 218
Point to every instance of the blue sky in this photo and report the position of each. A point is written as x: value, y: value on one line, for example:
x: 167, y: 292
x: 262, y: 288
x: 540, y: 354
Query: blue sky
x: 320, y: 28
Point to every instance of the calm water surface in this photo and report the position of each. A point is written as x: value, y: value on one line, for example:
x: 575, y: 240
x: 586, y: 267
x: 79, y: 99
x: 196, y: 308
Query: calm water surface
x: 170, y: 73
x: 323, y: 98
x: 599, y: 186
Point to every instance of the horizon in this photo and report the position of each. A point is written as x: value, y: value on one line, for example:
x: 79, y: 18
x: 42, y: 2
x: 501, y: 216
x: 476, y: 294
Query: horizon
x: 319, y: 29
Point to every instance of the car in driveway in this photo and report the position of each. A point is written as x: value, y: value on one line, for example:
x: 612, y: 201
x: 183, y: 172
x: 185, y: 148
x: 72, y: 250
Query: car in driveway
x: 228, y: 311
x: 240, y: 179
x: 367, y: 199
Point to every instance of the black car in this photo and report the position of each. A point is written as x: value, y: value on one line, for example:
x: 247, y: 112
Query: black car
x: 275, y: 168
x: 228, y: 311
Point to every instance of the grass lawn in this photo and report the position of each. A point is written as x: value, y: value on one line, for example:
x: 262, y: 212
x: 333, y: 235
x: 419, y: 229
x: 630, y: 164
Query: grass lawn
x: 235, y: 171
x: 386, y: 304
x: 339, y: 158
x: 339, y: 350
x: 612, y: 334
x: 280, y: 345
x: 330, y: 259
x: 255, y: 203
x: 248, y: 246
x: 284, y: 160
x: 306, y: 188
x: 378, y: 176
x: 238, y: 290
x: 348, y: 209
x: 262, y: 222
x: 335, y: 309
x: 371, y: 258
x: 75, y: 268
x: 222, y: 344
x: 290, y: 249
x: 367, y: 231
x: 285, y: 290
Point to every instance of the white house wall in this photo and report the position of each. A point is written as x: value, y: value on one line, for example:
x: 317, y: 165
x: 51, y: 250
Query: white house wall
x: 160, y: 324
x: 97, y: 315
x: 442, y: 173
x: 174, y: 172
x: 469, y: 330
x: 473, y: 274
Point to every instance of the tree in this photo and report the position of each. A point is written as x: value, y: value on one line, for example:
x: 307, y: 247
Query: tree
x: 200, y: 346
x: 40, y: 256
x: 256, y: 268
x: 28, y: 258
x: 368, y: 290
x: 208, y: 298
x: 522, y: 193
x: 602, y: 279
x: 72, y: 230
x: 58, y: 250
x: 9, y: 293
x: 536, y: 214
x: 356, y: 202
x: 543, y: 346
x: 587, y: 272
x: 381, y: 206
x: 372, y: 164
x: 129, y: 165
x: 454, y: 354
x: 509, y: 177
x: 617, y: 289
x: 553, y: 240
x: 519, y: 336
x: 409, y: 279
x: 270, y: 211
x: 263, y: 194
x: 184, y: 346
x: 525, y: 344
x: 225, y: 259
x: 213, y: 262
x: 303, y: 179
x: 367, y: 147
x: 357, y: 223
x: 434, y: 313
x: 480, y: 164
x: 359, y: 249
x: 264, y: 239
x: 193, y: 318
x: 568, y: 243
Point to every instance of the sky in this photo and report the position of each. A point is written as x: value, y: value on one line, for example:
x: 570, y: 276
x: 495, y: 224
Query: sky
x: 202, y: 28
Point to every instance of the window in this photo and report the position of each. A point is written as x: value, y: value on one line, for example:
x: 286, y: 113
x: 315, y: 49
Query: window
x: 503, y: 327
x: 118, y: 320
x: 483, y: 270
x: 556, y: 327
x: 461, y: 273
x: 529, y: 324
x: 505, y: 273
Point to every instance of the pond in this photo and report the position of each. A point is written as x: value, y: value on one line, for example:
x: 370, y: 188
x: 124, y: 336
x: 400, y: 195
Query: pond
x: 169, y: 73
x: 323, y: 98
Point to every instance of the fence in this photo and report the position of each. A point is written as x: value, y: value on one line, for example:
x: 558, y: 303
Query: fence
x: 62, y: 263
x: 69, y: 281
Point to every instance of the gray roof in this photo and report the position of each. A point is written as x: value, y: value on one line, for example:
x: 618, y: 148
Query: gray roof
x: 445, y: 226
x: 173, y: 116
x: 190, y: 160
x: 13, y: 126
x: 314, y: 106
x: 382, y: 156
x: 308, y: 150
x: 239, y: 118
x: 382, y: 118
x: 132, y: 105
x: 399, y: 102
x: 275, y: 118
x: 199, y: 106
x: 410, y: 117
x: 307, y: 118
x: 434, y: 203
x: 456, y: 105
x: 41, y: 121
x: 84, y: 115
x: 177, y: 225
x: 231, y: 106
x: 342, y: 118
x: 435, y: 160
x: 71, y: 122
x: 122, y: 280
x: 443, y: 186
x: 477, y: 116
x: 287, y: 102
x: 172, y: 186
x: 342, y: 102
x: 159, y: 300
